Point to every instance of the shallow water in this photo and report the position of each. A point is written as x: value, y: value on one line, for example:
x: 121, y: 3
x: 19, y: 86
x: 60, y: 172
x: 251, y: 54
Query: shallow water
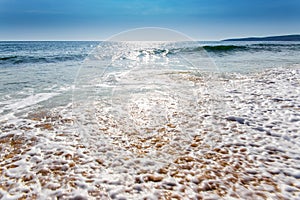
x: 152, y: 120
x: 34, y: 69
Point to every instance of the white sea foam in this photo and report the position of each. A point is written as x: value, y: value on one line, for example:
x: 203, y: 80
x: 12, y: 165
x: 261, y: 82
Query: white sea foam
x: 31, y: 100
x: 13, y: 106
x: 249, y: 151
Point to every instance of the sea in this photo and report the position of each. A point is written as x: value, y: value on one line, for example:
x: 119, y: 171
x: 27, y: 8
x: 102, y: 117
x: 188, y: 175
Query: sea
x: 47, y: 74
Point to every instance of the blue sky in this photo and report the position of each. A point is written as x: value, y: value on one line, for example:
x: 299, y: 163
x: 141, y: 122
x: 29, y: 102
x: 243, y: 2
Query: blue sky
x: 99, y: 19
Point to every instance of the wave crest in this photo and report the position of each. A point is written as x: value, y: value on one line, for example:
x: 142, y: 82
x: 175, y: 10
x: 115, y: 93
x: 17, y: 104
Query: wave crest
x: 18, y: 59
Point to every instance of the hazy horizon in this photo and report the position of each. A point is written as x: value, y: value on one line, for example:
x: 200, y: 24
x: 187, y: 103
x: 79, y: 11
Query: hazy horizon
x: 101, y: 40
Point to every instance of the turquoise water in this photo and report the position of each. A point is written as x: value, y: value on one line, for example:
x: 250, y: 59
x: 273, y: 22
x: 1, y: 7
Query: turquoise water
x: 246, y: 57
x: 35, y: 75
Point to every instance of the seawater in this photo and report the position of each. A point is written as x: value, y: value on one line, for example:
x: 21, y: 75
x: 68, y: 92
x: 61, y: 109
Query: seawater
x: 38, y: 75
x: 247, y: 57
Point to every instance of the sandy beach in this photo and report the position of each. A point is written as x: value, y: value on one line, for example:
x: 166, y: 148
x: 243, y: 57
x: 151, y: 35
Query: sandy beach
x: 240, y: 143
x: 149, y: 100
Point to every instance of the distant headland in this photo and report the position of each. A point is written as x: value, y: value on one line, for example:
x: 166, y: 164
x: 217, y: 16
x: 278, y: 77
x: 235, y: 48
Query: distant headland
x: 270, y: 38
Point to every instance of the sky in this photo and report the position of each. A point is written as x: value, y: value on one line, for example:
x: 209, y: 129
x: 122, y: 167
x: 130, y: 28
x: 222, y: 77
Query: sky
x: 100, y: 19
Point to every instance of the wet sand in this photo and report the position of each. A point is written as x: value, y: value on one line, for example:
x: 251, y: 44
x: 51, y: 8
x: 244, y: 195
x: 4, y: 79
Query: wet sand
x: 238, y: 143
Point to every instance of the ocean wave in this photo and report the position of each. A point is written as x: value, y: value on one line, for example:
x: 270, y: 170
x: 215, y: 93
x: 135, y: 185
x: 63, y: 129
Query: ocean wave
x: 20, y: 59
x: 231, y: 48
x: 209, y: 48
x: 275, y: 47
x: 166, y: 51
x: 184, y: 50
x: 238, y: 48
x: 7, y: 58
x: 222, y: 48
x: 217, y: 49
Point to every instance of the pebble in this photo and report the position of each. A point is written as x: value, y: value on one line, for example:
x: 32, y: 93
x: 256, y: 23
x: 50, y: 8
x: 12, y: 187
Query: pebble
x: 154, y: 178
x: 237, y: 119
x: 223, y: 158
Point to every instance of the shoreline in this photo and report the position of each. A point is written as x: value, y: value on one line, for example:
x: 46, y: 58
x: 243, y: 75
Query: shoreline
x: 248, y: 151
